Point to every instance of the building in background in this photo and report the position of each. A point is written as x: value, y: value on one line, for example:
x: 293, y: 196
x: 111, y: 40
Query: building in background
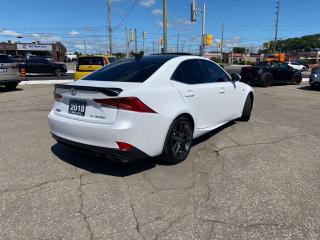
x: 54, y: 51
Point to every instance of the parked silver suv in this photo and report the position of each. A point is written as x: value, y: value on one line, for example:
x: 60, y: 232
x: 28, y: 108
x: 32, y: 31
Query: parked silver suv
x: 9, y: 72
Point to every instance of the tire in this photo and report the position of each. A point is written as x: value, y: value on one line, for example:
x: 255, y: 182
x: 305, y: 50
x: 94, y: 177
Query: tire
x: 297, y: 79
x: 58, y: 72
x: 247, y: 109
x: 266, y: 80
x: 178, y: 141
x: 11, y: 86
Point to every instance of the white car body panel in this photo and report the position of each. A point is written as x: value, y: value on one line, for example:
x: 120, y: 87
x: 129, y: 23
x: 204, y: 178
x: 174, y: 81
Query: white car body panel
x: 211, y: 106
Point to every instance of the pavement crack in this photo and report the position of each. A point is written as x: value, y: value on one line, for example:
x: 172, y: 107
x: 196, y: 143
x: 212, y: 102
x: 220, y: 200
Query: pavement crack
x: 263, y: 143
x: 133, y: 211
x: 36, y: 186
x: 85, y: 218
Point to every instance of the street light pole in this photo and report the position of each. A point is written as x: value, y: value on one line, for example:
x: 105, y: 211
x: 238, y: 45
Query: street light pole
x: 109, y: 26
x: 165, y: 27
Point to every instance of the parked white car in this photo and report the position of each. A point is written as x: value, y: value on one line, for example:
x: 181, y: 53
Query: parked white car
x: 149, y: 106
x: 297, y: 66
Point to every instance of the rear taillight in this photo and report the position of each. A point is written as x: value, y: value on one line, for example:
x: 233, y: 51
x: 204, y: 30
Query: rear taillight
x: 126, y: 103
x: 124, y: 146
x: 57, y: 97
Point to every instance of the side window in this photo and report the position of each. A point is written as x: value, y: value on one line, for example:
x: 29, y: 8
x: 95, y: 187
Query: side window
x: 213, y: 72
x: 189, y: 72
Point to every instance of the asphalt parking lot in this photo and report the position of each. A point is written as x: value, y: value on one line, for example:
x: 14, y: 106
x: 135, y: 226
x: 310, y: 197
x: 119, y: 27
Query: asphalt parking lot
x: 255, y: 180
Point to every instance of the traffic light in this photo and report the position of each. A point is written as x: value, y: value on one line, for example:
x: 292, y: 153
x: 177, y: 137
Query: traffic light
x: 208, y: 40
x: 131, y: 36
x: 161, y: 41
x: 193, y: 11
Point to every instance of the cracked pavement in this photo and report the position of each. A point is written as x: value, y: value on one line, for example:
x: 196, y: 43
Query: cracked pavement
x: 255, y: 180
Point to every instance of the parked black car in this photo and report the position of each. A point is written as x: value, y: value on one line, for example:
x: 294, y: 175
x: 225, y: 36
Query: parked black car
x: 268, y: 73
x: 43, y: 66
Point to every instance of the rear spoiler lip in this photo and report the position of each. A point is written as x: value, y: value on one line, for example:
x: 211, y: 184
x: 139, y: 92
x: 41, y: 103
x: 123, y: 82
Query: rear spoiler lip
x: 112, y: 92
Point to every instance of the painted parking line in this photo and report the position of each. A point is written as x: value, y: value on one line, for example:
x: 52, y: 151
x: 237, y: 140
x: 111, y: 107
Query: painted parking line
x: 39, y: 82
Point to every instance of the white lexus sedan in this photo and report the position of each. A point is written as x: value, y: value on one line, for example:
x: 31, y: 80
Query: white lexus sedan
x: 148, y: 106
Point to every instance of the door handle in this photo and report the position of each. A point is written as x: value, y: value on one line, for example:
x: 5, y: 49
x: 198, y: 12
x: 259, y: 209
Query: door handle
x: 189, y: 93
x: 222, y: 90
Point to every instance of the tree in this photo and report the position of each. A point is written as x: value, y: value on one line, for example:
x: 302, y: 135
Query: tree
x: 239, y: 50
x: 298, y: 44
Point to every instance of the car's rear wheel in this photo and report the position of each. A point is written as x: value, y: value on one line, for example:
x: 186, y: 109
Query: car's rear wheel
x: 266, y: 80
x: 178, y: 141
x: 247, y: 109
x: 11, y: 86
x: 58, y: 72
x: 297, y: 79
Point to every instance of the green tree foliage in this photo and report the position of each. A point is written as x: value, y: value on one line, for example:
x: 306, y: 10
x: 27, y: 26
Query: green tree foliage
x: 239, y: 50
x: 302, y: 44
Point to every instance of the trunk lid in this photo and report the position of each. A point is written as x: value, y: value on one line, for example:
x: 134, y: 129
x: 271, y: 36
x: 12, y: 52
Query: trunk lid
x: 78, y: 103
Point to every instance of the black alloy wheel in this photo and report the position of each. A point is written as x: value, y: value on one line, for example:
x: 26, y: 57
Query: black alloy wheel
x: 266, y: 80
x: 179, y: 140
x: 297, y: 79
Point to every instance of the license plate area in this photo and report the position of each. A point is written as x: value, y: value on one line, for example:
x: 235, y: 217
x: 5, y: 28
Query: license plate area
x: 77, y: 107
x: 2, y: 70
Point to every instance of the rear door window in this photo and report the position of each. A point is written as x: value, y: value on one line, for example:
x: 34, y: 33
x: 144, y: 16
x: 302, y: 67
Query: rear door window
x: 189, y: 72
x: 213, y: 72
x: 91, y: 61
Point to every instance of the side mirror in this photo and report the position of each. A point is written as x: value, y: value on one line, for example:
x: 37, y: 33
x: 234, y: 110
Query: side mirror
x: 235, y: 77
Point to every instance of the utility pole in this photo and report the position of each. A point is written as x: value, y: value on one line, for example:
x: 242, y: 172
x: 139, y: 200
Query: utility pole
x: 232, y: 54
x: 85, y: 46
x: 127, y: 42
x: 277, y: 25
x: 144, y: 35
x: 221, y: 44
x: 189, y: 48
x: 178, y: 42
x: 203, y: 28
x: 110, y: 26
x: 153, y: 47
x: 135, y: 41
x: 165, y: 27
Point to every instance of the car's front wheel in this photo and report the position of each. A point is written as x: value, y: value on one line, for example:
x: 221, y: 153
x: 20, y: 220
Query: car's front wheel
x: 178, y: 141
x: 266, y: 80
x: 247, y: 109
x: 297, y: 79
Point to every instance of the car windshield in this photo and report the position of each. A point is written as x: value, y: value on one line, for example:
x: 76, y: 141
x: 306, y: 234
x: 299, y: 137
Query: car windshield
x: 91, y: 61
x: 130, y: 70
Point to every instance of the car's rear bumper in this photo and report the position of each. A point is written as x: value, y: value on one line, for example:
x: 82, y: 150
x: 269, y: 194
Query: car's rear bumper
x: 111, y: 153
x: 146, y: 132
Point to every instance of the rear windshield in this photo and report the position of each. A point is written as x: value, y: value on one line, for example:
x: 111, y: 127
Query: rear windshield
x: 129, y: 70
x: 90, y: 61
